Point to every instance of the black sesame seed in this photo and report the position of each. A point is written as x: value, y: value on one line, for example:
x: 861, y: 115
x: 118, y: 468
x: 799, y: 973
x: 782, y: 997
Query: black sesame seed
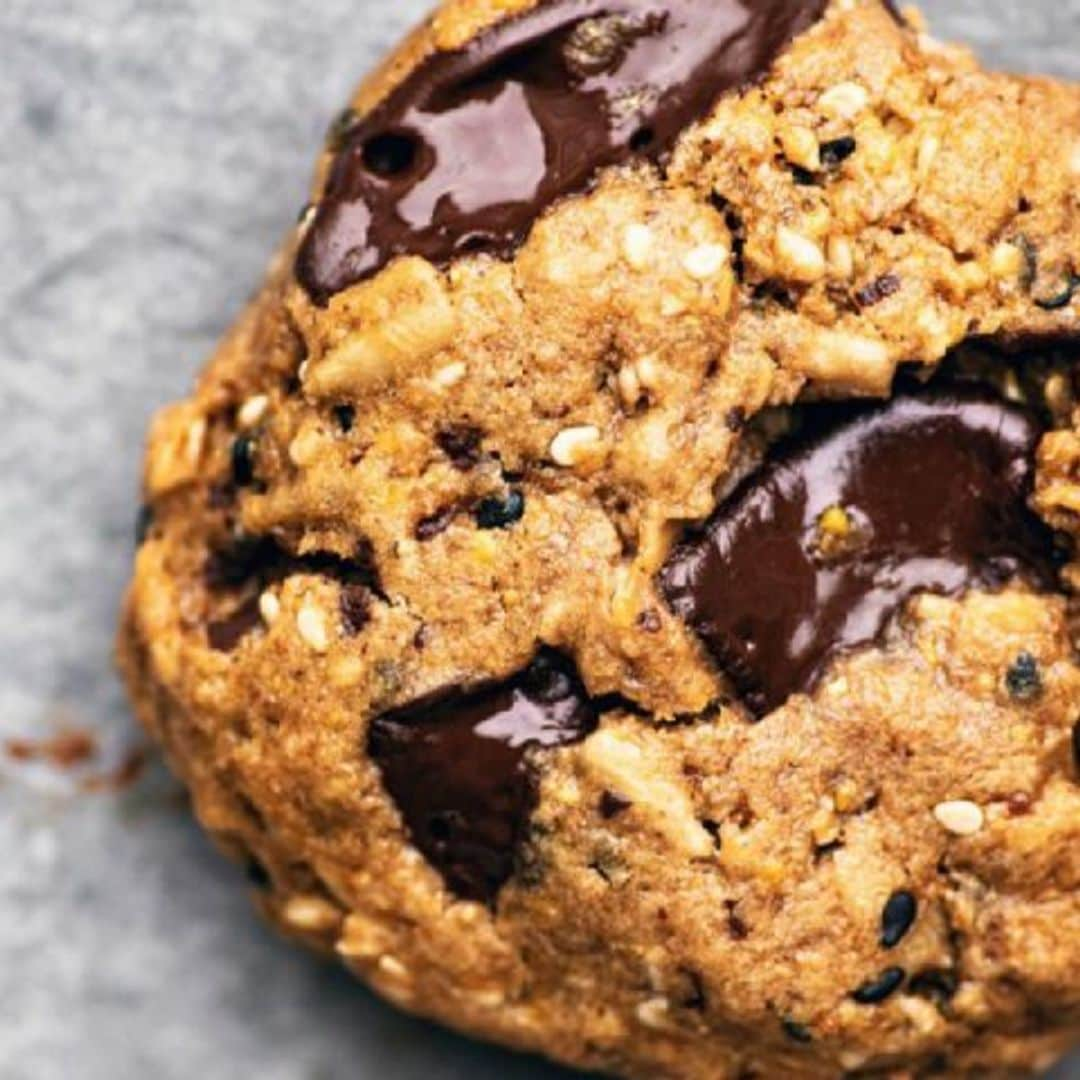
x: 355, y: 608
x: 879, y: 289
x: 612, y: 805
x: 1023, y: 680
x: 1076, y: 745
x: 837, y: 151
x: 144, y: 521
x: 897, y: 918
x: 500, y: 513
x: 344, y: 417
x: 1060, y: 299
x: 797, y: 1032
x: 875, y: 991
x: 803, y: 177
x: 243, y: 461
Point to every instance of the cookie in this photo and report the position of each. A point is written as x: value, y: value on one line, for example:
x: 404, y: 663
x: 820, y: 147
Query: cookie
x: 616, y: 586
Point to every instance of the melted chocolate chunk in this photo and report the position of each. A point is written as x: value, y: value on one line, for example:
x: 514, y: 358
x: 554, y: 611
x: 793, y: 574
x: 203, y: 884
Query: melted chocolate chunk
x: 226, y: 634
x: 469, y: 149
x: 457, y: 767
x: 816, y: 552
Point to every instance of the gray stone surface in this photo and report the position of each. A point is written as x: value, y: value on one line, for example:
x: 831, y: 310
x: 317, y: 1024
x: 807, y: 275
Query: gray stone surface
x: 154, y: 150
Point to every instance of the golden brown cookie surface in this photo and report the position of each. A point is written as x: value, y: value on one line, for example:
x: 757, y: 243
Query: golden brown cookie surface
x: 404, y: 617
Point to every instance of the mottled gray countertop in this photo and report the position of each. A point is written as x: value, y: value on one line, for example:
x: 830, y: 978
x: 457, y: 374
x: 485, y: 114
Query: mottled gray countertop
x: 154, y: 151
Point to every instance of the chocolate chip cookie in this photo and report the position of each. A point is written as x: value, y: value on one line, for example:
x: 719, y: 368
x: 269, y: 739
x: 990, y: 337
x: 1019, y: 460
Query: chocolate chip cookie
x: 616, y: 587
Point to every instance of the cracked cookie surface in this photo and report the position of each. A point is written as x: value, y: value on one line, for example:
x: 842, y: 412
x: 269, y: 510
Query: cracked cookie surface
x: 402, y: 617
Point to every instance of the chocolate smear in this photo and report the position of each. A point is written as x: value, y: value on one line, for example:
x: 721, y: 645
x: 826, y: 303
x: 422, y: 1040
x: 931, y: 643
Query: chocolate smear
x: 457, y: 767
x: 475, y: 143
x: 813, y: 555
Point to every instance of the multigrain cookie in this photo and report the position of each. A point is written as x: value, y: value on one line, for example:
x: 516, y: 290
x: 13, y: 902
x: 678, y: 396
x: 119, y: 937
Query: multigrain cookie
x: 616, y: 585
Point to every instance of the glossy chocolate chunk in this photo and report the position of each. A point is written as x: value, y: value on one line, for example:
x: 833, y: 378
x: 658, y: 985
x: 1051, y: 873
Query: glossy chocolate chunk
x: 817, y: 551
x: 457, y: 767
x: 468, y: 150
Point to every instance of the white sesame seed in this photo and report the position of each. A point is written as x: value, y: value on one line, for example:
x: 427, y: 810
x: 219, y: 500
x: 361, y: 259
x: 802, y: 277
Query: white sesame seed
x: 844, y: 101
x: 637, y: 245
x: 654, y: 1013
x: 960, y: 817
x: 269, y: 607
x: 312, y: 914
x: 450, y: 375
x: 928, y: 152
x: 393, y: 967
x: 706, y: 260
x: 252, y: 411
x: 311, y: 625
x: 629, y: 385
x: 574, y: 445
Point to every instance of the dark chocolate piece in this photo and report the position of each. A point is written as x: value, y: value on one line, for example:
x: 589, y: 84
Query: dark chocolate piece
x: 226, y: 634
x: 457, y: 768
x: 816, y: 552
x: 474, y: 144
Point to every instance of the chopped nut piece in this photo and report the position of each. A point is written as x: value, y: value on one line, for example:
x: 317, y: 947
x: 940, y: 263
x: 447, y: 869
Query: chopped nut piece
x: 311, y: 625
x: 960, y: 817
x: 1006, y: 261
x: 841, y: 257
x: 638, y: 245
x: 624, y: 766
x: 801, y: 147
x: 844, y: 101
x: 798, y: 257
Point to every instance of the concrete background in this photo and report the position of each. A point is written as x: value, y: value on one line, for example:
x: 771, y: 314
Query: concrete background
x: 154, y: 151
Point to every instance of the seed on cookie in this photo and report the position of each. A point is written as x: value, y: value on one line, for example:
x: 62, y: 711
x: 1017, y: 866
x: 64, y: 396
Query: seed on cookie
x: 575, y: 446
x: 961, y: 817
x: 877, y: 990
x: 242, y: 459
x: 898, y: 917
x: 269, y: 607
x: 705, y: 261
x: 1076, y: 744
x: 252, y: 411
x: 1023, y: 679
x: 837, y: 151
x: 501, y: 512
